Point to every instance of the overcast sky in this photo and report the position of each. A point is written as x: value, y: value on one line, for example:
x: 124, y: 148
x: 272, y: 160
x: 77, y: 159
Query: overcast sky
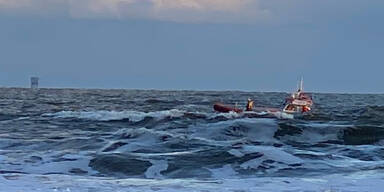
x: 252, y: 45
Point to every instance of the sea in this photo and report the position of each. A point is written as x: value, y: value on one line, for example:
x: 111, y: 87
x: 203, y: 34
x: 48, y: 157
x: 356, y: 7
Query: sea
x: 93, y: 140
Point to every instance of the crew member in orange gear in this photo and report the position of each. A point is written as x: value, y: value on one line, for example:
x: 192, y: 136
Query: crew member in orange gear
x: 306, y: 109
x: 249, y: 105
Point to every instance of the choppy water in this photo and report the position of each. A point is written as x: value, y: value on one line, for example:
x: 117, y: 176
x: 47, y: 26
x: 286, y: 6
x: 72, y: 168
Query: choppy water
x: 132, y: 134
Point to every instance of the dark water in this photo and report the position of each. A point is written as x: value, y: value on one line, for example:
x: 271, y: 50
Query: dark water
x: 176, y: 134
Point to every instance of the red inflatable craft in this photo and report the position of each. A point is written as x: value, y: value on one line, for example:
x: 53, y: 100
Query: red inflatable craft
x: 219, y: 107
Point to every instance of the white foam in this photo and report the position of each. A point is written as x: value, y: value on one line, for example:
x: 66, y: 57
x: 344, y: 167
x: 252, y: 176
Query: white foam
x: 46, y: 162
x: 142, y: 138
x: 361, y: 181
x: 236, y: 153
x: 273, y: 153
x: 224, y: 172
x: 253, y: 163
x: 158, y: 166
x: 133, y: 116
x: 230, y: 115
x: 327, y: 125
x: 282, y: 115
x: 178, y: 153
x: 60, y: 167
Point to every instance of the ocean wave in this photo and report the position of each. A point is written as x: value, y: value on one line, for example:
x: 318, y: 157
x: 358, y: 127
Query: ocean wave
x: 144, y: 140
x: 371, y: 115
x: 331, y: 133
x: 137, y: 116
x: 363, y: 135
x: 133, y: 116
x: 361, y: 181
x: 199, y: 164
x: 147, y: 134
x: 234, y: 132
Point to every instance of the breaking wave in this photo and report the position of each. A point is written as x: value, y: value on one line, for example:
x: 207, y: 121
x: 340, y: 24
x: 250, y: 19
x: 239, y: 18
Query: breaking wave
x: 133, y: 116
x: 164, y: 134
x: 136, y: 116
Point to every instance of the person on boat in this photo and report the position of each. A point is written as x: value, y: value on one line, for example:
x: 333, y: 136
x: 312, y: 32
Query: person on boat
x: 249, y: 105
x: 306, y: 109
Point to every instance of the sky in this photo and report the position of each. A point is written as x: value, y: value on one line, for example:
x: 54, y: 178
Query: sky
x: 249, y: 45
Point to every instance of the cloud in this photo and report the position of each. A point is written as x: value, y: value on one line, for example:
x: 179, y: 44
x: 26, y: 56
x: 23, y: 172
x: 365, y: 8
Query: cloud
x: 169, y: 10
x: 15, y: 4
x: 209, y: 10
x: 36, y: 7
x: 212, y: 5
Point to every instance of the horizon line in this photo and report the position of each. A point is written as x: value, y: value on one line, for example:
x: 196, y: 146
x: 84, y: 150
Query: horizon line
x: 196, y: 90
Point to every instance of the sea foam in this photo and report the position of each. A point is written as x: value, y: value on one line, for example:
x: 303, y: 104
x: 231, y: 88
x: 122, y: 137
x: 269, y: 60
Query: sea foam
x: 133, y: 116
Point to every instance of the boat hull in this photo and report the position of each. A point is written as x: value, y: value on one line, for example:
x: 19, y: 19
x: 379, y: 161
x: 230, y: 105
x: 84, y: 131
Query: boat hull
x: 222, y: 108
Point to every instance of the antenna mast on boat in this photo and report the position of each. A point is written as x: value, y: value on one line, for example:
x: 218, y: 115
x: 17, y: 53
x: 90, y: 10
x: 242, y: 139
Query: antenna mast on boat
x: 301, y: 88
